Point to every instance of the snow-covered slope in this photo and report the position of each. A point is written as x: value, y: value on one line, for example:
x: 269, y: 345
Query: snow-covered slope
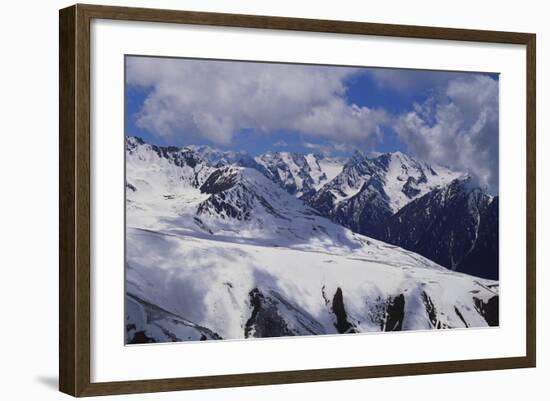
x: 162, y: 171
x: 369, y: 190
x: 225, y: 253
x: 162, y: 181
x: 300, y: 175
x: 184, y: 287
x: 323, y: 168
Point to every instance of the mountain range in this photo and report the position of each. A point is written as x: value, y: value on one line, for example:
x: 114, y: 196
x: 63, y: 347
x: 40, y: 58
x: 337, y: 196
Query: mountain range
x: 369, y: 190
x: 310, y: 245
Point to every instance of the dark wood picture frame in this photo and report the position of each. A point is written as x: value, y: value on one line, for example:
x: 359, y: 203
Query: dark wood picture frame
x: 74, y: 199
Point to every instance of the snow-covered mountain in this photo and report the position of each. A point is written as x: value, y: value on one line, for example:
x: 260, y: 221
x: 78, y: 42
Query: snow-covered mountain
x: 456, y: 226
x: 369, y: 190
x: 160, y: 169
x: 300, y: 175
x: 224, y: 253
x: 241, y: 201
x: 156, y: 174
x: 219, y: 158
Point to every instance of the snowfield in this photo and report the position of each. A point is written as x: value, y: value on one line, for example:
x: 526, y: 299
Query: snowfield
x: 226, y: 253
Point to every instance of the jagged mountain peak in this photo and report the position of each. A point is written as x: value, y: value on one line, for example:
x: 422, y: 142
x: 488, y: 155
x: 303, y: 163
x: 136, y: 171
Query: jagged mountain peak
x: 386, y: 159
x: 242, y: 198
x: 133, y: 141
x: 300, y: 175
x: 158, y: 173
x: 179, y: 156
x: 220, y: 158
x: 371, y: 189
x: 356, y: 158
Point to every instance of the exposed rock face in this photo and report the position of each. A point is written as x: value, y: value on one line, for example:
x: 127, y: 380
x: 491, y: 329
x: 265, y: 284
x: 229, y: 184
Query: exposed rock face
x: 366, y: 210
x: 220, y: 180
x: 395, y: 314
x: 236, y: 194
x: 339, y: 310
x: 489, y: 310
x: 265, y: 321
x: 483, y: 259
x: 273, y: 316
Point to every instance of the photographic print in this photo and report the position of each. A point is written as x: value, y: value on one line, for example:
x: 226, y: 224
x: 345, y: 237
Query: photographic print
x: 279, y: 199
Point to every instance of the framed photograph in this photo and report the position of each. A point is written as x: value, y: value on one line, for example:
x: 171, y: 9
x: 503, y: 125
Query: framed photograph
x: 250, y: 200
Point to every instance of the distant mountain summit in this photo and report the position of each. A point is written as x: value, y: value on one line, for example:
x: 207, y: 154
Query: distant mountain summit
x: 220, y: 158
x: 300, y: 175
x: 162, y: 170
x: 369, y: 190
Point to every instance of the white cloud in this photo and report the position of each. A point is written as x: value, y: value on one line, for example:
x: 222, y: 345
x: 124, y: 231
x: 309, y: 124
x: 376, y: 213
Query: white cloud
x: 214, y: 100
x: 327, y: 148
x: 459, y: 128
x: 280, y: 144
x: 412, y: 81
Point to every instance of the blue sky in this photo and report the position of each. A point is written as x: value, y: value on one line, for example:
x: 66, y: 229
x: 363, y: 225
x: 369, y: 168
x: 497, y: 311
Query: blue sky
x: 443, y: 117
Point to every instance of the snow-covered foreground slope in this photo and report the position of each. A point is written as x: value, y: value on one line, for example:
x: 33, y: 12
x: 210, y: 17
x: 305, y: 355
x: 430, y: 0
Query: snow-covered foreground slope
x: 189, y: 288
x: 225, y: 253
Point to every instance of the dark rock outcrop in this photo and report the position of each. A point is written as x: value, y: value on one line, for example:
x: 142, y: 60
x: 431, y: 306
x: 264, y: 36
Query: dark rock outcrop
x: 342, y: 324
x: 455, y: 226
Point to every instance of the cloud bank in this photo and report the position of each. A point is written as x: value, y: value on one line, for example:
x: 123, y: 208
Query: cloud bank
x: 458, y: 128
x: 214, y: 100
